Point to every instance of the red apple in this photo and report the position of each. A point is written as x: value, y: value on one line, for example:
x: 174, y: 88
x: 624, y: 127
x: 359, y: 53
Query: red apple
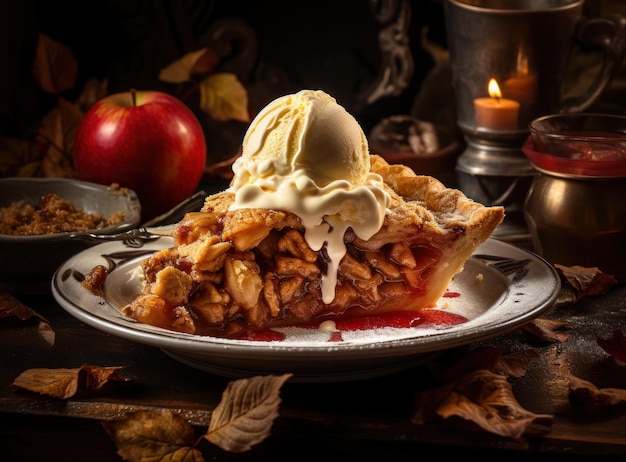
x: 147, y: 141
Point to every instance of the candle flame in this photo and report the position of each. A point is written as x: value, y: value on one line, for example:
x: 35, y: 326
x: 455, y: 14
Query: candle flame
x: 494, y: 89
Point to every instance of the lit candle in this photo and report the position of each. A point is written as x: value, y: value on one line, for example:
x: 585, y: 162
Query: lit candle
x: 522, y: 85
x: 522, y: 88
x: 495, y: 112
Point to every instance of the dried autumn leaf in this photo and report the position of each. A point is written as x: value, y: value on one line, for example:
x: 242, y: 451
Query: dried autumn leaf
x: 586, y: 393
x: 452, y: 369
x: 543, y: 331
x: 97, y: 376
x: 487, y: 399
x: 70, y: 115
x: 223, y: 169
x: 46, y: 332
x: 93, y: 91
x: 11, y: 306
x: 515, y: 364
x: 64, y: 383
x: 15, y: 154
x: 246, y: 412
x: 615, y: 346
x: 57, y: 383
x: 586, y: 281
x: 54, y: 66
x: 156, y: 435
x: 224, y: 98
x: 427, y: 402
x: 196, y: 62
x: 30, y: 169
x: 58, y: 129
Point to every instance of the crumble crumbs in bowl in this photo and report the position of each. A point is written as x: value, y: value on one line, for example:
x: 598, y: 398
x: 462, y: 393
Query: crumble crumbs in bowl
x: 38, y: 216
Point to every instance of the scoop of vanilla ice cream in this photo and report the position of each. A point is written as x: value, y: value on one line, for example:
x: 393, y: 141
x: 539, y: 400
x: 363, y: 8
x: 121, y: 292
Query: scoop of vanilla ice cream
x: 305, y: 131
x: 305, y: 154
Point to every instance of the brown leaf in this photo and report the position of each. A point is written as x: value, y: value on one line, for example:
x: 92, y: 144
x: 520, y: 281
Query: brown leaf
x: 46, y: 333
x: 64, y: 383
x: 452, y: 369
x: 56, y: 165
x: 586, y: 281
x: 57, y: 383
x: 586, y: 393
x: 97, y: 376
x: 487, y: 399
x: 93, y: 91
x: 542, y: 331
x: 155, y: 435
x: 224, y: 98
x: 70, y: 115
x: 515, y: 364
x: 15, y: 154
x: 615, y: 346
x: 11, y: 306
x: 54, y: 67
x: 58, y: 130
x: 196, y: 62
x: 52, y: 130
x: 30, y: 169
x: 246, y: 412
x: 223, y: 169
x: 427, y: 402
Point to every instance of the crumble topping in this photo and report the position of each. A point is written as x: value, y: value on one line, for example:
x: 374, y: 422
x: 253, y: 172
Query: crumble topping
x: 51, y: 215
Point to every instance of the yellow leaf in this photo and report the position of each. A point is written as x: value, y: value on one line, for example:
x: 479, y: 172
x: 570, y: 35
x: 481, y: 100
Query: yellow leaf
x: 246, y: 412
x: 224, y: 98
x: 156, y: 435
x: 54, y: 67
x: 196, y: 62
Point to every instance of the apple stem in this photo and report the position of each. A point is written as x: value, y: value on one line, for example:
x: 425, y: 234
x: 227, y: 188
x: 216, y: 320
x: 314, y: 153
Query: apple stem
x: 133, y: 94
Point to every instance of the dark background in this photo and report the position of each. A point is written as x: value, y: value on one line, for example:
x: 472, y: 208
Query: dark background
x: 279, y: 47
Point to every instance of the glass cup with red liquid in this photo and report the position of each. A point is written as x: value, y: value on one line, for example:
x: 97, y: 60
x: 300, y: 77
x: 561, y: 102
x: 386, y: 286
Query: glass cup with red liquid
x: 575, y: 208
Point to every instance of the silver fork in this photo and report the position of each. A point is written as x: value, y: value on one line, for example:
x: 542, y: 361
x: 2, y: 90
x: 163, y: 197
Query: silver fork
x: 192, y: 203
x: 142, y: 234
x: 507, y: 266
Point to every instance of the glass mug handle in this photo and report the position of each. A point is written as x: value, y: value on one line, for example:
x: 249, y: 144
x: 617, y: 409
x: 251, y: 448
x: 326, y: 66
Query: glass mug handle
x: 607, y: 33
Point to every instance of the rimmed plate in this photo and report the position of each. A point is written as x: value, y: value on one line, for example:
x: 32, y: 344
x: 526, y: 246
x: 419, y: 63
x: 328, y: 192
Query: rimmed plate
x: 500, y: 288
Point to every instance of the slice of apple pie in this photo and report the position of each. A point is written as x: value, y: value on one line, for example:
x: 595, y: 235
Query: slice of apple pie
x: 234, y: 270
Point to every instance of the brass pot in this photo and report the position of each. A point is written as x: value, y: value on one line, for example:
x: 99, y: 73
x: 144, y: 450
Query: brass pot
x: 576, y: 211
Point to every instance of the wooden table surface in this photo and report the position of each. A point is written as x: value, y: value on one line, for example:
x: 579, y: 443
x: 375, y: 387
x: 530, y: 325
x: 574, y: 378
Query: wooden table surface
x: 369, y: 419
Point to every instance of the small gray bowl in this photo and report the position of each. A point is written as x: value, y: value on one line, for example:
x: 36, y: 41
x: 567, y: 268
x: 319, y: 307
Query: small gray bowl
x: 27, y: 263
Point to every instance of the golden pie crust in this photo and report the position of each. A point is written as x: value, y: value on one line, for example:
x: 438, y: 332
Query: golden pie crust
x: 234, y: 272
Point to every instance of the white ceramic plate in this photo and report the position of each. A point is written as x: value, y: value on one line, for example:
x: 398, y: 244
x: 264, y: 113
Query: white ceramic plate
x: 494, y: 300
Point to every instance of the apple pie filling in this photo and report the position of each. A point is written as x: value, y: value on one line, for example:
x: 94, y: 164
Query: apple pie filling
x: 234, y: 271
